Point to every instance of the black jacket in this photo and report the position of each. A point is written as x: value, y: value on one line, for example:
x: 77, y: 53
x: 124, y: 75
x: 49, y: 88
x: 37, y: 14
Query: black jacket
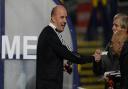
x: 50, y: 55
x: 113, y: 63
x: 124, y: 66
x: 108, y: 62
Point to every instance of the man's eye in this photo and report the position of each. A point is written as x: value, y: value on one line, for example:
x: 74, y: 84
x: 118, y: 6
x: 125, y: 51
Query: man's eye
x: 62, y: 16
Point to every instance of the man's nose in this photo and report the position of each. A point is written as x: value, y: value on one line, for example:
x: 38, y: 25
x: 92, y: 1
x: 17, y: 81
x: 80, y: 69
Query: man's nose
x: 65, y: 20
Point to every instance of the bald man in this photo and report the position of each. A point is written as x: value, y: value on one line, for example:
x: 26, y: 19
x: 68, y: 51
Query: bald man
x: 51, y: 52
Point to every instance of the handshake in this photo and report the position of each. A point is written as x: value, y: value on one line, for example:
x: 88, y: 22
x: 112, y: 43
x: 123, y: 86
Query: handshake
x: 98, y: 53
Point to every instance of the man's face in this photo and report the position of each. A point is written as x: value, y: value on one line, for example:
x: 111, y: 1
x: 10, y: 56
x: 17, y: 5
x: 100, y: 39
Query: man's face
x: 60, y: 18
x: 116, y: 25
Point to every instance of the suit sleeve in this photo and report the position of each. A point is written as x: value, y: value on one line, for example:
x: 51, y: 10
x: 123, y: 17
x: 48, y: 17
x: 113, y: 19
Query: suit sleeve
x: 63, y: 52
x: 98, y: 68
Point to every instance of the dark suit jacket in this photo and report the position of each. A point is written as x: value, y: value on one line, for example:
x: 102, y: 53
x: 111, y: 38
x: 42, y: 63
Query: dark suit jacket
x: 50, y: 55
x: 100, y: 68
x: 107, y: 63
x: 124, y: 66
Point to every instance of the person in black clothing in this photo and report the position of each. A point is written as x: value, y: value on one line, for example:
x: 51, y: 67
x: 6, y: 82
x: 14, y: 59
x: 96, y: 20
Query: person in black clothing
x: 51, y: 52
x: 117, y: 56
x: 110, y: 62
x: 123, y: 59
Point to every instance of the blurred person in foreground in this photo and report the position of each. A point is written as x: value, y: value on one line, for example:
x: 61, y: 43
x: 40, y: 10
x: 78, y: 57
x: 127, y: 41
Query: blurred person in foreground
x: 117, y: 56
x: 51, y: 52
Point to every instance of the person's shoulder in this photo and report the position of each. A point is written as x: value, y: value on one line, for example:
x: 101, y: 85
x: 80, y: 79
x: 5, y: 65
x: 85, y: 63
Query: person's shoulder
x: 45, y: 31
x: 48, y: 30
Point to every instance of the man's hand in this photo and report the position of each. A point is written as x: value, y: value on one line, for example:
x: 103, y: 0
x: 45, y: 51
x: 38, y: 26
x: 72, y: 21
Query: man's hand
x: 97, y: 55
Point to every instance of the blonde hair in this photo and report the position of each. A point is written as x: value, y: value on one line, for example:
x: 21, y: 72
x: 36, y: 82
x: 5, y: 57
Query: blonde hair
x: 117, y: 41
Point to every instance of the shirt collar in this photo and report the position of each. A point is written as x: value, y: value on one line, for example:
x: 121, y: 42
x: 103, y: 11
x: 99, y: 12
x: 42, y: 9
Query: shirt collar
x: 54, y: 27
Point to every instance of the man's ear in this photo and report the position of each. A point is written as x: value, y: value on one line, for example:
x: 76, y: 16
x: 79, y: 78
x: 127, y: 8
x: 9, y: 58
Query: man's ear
x: 52, y: 19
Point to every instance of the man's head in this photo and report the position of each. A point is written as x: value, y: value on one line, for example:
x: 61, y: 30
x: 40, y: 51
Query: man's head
x: 59, y: 17
x: 120, y: 22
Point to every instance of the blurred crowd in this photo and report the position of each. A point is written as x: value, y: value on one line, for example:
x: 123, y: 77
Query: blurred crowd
x: 92, y: 17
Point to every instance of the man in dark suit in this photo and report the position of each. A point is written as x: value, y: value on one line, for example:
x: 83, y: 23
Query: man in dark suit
x: 51, y: 52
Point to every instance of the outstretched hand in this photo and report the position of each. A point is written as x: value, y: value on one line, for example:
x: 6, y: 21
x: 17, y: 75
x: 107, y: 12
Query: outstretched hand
x: 97, y: 55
